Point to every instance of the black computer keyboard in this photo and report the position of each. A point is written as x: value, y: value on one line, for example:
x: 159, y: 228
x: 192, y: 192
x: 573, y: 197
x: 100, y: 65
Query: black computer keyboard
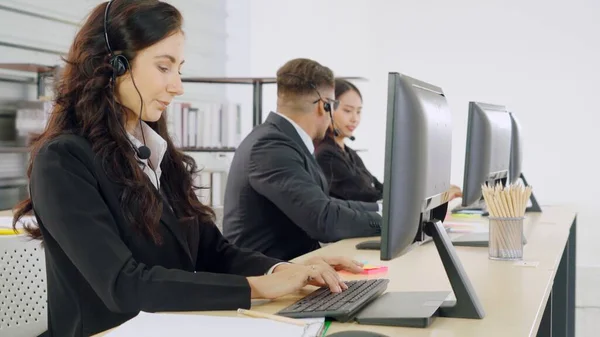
x: 338, y: 306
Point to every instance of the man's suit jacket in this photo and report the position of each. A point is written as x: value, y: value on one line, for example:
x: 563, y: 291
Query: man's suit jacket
x: 277, y: 201
x: 101, y: 272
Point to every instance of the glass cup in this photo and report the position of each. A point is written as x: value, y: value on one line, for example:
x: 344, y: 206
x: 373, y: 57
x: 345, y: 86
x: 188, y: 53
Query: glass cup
x: 506, y: 238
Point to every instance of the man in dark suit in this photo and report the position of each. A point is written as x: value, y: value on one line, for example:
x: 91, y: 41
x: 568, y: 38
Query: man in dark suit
x: 276, y: 199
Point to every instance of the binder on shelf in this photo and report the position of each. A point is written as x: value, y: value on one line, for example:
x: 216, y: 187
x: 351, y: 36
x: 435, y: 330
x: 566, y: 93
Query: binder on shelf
x: 31, y: 117
x: 257, y: 85
x: 205, y: 125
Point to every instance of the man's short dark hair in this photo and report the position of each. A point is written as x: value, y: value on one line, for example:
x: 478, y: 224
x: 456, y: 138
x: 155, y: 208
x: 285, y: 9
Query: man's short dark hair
x: 296, y: 76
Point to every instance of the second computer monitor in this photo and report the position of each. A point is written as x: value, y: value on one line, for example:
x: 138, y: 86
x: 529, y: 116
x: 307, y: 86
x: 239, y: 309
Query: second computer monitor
x: 488, y: 149
x: 417, y: 160
x: 516, y: 151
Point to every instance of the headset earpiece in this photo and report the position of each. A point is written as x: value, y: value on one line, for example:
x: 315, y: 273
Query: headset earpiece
x: 119, y: 64
x: 327, y: 107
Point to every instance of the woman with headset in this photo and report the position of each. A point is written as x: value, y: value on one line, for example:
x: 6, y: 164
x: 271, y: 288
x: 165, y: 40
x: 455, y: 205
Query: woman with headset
x: 122, y: 228
x: 347, y: 175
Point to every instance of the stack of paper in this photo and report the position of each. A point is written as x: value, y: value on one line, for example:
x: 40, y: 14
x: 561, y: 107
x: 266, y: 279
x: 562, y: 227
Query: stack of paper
x: 181, y: 325
x: 6, y: 224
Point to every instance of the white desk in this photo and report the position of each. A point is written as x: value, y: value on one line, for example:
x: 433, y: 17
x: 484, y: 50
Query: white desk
x: 518, y: 301
x: 514, y: 298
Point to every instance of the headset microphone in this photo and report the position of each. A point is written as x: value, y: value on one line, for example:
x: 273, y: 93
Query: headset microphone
x: 336, y: 131
x: 143, y: 152
x: 326, y: 105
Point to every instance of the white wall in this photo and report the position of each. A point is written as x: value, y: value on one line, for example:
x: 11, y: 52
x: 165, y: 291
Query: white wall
x: 238, y: 45
x: 539, y: 58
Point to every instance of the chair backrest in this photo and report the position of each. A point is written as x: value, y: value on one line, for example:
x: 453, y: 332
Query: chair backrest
x: 23, y: 300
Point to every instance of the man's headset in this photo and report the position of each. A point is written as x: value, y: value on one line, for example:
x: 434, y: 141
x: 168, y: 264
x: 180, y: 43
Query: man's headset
x: 120, y: 65
x: 326, y: 105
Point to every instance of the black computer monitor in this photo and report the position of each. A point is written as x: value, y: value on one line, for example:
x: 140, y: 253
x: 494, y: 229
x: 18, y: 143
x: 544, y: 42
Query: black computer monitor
x: 516, y: 150
x: 486, y: 161
x: 417, y: 161
x: 488, y: 150
x: 515, y: 171
x: 415, y: 195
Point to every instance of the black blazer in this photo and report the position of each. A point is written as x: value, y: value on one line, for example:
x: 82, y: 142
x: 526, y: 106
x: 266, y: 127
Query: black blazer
x: 349, y: 178
x: 100, y: 272
x: 277, y: 200
x: 346, y: 173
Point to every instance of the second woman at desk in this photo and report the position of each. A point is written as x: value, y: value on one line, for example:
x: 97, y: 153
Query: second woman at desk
x: 122, y: 227
x: 347, y: 175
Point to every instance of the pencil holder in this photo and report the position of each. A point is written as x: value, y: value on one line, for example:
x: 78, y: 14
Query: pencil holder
x: 506, y: 238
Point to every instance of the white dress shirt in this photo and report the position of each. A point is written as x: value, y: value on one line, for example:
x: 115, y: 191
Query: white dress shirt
x: 305, y: 137
x: 158, y: 148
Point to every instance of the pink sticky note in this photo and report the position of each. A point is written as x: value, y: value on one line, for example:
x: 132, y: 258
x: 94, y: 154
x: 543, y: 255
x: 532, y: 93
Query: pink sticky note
x: 372, y: 269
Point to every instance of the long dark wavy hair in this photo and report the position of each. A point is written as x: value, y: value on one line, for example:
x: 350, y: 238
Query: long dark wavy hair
x: 84, y: 106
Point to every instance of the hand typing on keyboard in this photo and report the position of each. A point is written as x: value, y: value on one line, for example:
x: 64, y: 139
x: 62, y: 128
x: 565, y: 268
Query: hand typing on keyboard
x: 337, y: 262
x: 339, y: 306
x: 289, y: 278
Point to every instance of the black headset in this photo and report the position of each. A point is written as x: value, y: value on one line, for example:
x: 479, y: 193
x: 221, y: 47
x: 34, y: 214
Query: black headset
x: 120, y: 65
x: 326, y: 105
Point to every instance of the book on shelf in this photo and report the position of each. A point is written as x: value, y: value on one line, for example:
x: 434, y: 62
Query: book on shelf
x: 211, y: 188
x: 204, y: 124
x: 201, y: 124
x: 32, y: 116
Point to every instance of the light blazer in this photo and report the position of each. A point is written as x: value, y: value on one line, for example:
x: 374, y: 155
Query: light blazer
x: 277, y: 200
x: 100, y: 272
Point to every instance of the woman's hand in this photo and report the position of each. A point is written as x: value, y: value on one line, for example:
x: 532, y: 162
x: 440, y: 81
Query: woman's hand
x: 454, y: 192
x: 337, y: 262
x: 289, y: 278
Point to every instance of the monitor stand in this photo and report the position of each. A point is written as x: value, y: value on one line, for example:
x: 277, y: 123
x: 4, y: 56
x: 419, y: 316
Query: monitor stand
x: 369, y: 245
x: 535, y: 207
x: 376, y: 244
x: 481, y: 239
x: 477, y: 207
x: 417, y: 309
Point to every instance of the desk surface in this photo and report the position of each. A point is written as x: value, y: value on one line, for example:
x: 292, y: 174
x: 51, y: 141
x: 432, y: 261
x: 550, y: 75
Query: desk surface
x: 513, y: 297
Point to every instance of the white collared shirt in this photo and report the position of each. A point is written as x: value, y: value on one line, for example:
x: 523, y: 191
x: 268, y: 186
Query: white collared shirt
x: 158, y: 148
x: 303, y: 134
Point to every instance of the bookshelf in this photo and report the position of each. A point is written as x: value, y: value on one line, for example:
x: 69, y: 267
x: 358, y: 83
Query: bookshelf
x: 212, y: 156
x: 257, y: 86
x: 43, y: 72
x: 14, y: 149
x: 207, y: 149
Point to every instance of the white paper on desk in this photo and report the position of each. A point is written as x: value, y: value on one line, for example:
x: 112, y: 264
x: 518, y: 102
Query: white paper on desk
x: 6, y: 221
x: 182, y: 325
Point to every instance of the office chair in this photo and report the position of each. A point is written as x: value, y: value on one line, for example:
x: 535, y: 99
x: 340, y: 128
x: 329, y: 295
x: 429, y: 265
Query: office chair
x: 23, y: 304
